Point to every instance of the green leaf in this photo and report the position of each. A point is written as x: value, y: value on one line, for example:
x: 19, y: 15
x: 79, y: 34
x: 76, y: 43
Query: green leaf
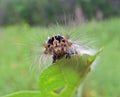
x: 26, y: 94
x: 63, y: 78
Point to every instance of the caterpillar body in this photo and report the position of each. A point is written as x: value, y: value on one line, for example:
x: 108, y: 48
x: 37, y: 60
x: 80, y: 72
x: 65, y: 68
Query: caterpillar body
x: 59, y: 46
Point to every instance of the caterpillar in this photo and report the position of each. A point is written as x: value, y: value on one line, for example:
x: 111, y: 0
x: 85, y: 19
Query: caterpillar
x: 59, y: 46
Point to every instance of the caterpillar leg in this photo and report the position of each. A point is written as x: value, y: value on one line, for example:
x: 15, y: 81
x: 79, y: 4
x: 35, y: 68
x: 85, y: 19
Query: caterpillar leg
x: 67, y: 55
x: 54, y: 58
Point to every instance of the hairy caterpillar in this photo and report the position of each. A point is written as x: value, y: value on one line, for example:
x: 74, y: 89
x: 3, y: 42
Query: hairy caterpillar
x: 59, y: 46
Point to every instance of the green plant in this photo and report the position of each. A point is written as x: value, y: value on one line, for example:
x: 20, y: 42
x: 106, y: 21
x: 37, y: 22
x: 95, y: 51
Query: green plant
x: 62, y: 79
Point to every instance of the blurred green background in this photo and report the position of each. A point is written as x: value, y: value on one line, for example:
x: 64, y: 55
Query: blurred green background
x: 26, y: 24
x: 48, y: 12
